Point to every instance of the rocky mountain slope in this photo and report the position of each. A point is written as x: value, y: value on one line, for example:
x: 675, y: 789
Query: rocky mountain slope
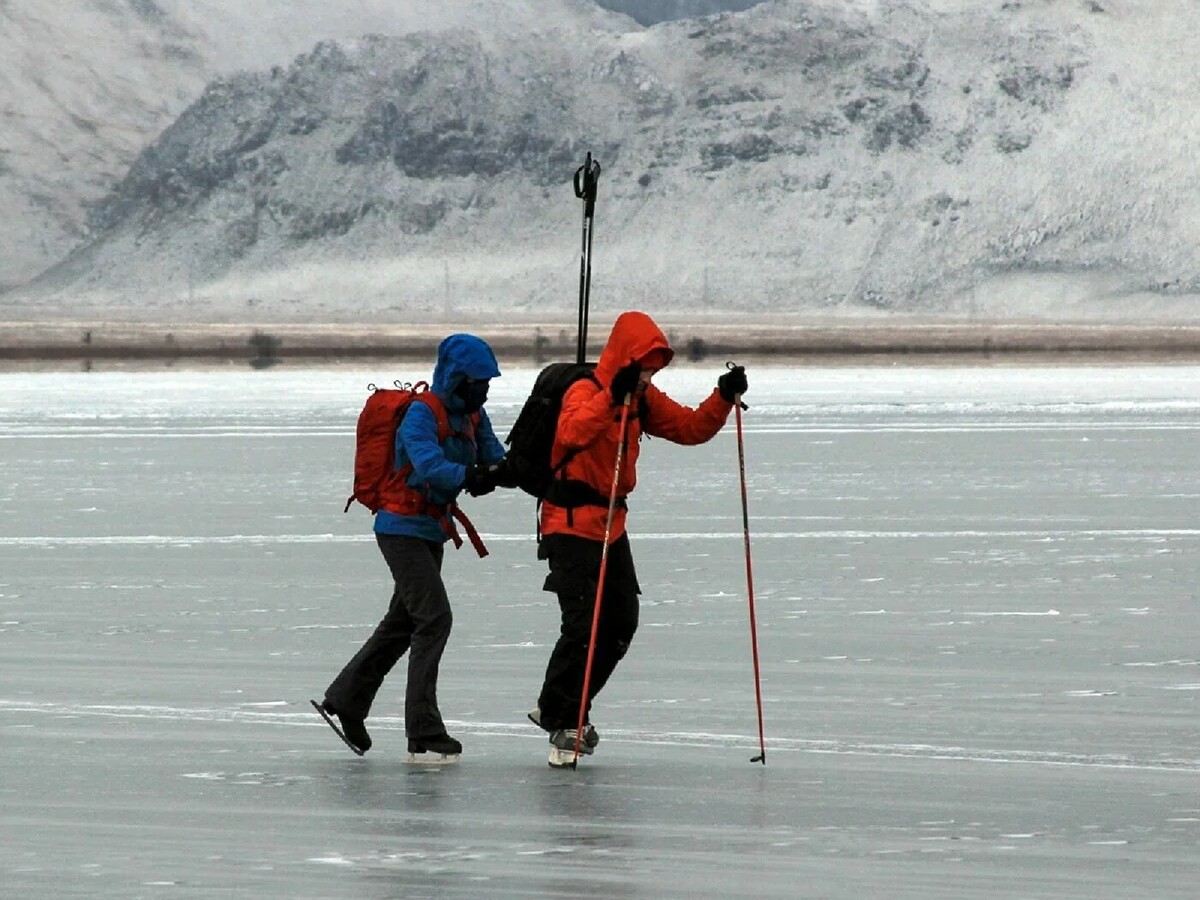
x: 980, y: 158
x: 85, y: 85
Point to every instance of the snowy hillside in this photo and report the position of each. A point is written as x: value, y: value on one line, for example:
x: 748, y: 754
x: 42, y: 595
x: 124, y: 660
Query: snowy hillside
x: 86, y: 84
x: 978, y: 158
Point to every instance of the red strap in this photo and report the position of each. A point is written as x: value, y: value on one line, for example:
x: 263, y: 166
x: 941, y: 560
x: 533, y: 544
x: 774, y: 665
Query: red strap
x: 442, y: 417
x: 472, y: 534
x: 413, y: 502
x: 444, y: 517
x: 451, y: 531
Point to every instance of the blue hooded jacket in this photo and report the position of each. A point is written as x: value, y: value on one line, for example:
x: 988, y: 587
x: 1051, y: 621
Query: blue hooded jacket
x: 439, y: 470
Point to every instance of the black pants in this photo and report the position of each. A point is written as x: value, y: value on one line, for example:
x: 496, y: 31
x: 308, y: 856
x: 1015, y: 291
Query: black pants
x: 574, y: 572
x: 418, y: 620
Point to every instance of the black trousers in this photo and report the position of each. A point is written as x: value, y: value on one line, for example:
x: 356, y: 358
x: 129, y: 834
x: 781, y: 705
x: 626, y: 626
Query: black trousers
x: 574, y: 572
x: 418, y: 621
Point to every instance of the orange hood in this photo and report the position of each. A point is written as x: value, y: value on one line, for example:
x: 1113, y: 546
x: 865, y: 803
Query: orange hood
x: 634, y: 336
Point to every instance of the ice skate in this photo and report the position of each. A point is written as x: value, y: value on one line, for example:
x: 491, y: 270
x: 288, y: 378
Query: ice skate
x: 535, y: 716
x: 590, y: 737
x: 352, y: 731
x: 439, y: 750
x: 562, y: 749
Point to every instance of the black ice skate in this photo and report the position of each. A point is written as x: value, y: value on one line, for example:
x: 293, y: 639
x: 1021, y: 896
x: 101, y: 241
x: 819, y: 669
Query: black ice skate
x: 352, y: 731
x: 442, y: 750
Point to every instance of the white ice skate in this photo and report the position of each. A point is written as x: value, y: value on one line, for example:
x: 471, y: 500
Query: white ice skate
x: 562, y: 748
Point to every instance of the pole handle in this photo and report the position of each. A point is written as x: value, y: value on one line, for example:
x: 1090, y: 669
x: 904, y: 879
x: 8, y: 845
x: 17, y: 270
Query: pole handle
x: 731, y: 365
x: 586, y: 178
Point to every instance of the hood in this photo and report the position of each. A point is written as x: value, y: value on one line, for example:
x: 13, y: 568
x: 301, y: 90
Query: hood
x: 634, y: 335
x: 462, y: 356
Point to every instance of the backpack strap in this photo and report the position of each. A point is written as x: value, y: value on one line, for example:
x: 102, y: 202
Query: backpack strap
x: 440, y: 414
x: 445, y: 516
x: 558, y: 472
x: 570, y: 493
x: 468, y: 527
x: 444, y: 429
x: 414, y: 502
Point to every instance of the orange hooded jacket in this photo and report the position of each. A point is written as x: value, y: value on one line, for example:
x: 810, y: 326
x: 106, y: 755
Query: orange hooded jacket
x: 590, y: 425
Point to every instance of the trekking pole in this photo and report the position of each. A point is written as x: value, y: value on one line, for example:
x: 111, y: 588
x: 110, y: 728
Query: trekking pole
x: 738, y: 406
x: 586, y: 177
x: 591, y: 654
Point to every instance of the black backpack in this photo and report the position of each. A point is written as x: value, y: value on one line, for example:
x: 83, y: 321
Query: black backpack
x: 532, y: 436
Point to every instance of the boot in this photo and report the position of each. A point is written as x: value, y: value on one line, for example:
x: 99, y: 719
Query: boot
x: 354, y: 729
x: 564, y: 739
x: 438, y: 743
x: 590, y: 737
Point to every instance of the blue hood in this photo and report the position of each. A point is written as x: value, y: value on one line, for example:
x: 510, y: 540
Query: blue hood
x: 462, y: 356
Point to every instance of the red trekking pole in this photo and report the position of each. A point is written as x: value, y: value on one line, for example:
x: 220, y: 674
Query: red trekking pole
x: 738, y: 406
x: 612, y: 505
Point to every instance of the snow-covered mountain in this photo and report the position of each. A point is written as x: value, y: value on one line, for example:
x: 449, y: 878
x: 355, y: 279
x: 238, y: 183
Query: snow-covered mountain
x: 979, y: 157
x: 85, y: 85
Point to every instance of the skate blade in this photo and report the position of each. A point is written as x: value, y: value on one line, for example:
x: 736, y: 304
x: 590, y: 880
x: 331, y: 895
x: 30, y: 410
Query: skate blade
x: 431, y: 759
x: 334, y: 725
x: 562, y: 759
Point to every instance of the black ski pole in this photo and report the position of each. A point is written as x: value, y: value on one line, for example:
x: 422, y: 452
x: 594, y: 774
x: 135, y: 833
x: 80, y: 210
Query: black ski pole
x: 586, y: 178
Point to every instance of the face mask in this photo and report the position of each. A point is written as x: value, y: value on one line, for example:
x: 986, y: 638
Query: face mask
x: 473, y: 394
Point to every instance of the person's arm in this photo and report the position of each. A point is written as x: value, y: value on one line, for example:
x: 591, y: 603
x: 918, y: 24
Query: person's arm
x: 666, y: 418
x: 418, y: 435
x: 587, y: 410
x: 490, y: 449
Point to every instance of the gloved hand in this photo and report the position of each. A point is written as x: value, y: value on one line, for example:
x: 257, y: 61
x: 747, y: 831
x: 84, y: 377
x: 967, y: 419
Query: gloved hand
x: 733, y: 383
x: 480, y: 480
x: 625, y: 382
x: 505, y: 474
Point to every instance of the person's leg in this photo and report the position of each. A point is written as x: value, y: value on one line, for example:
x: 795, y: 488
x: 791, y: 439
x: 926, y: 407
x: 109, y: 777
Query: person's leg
x: 574, y: 567
x: 424, y: 596
x: 618, y: 615
x: 353, y: 691
x: 559, y: 698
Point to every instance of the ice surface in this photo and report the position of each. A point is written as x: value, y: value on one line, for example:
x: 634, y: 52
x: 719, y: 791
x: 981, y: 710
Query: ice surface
x: 977, y: 617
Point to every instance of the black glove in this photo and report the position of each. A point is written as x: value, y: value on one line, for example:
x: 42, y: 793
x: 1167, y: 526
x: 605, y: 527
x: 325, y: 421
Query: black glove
x: 625, y: 382
x: 504, y: 473
x: 732, y: 383
x: 480, y: 480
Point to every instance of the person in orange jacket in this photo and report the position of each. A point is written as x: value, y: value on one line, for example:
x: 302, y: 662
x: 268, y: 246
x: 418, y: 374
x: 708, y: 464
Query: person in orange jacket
x: 574, y: 513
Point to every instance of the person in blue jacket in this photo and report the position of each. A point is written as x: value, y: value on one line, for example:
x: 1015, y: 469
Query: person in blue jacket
x: 411, y: 529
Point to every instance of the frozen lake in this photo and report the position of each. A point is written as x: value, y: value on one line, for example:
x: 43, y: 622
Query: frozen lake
x: 978, y: 621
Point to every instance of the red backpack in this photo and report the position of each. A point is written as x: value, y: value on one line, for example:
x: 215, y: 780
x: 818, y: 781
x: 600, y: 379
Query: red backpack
x: 375, y: 478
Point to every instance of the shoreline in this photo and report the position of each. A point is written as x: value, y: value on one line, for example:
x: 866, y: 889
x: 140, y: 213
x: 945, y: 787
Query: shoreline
x: 817, y: 343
